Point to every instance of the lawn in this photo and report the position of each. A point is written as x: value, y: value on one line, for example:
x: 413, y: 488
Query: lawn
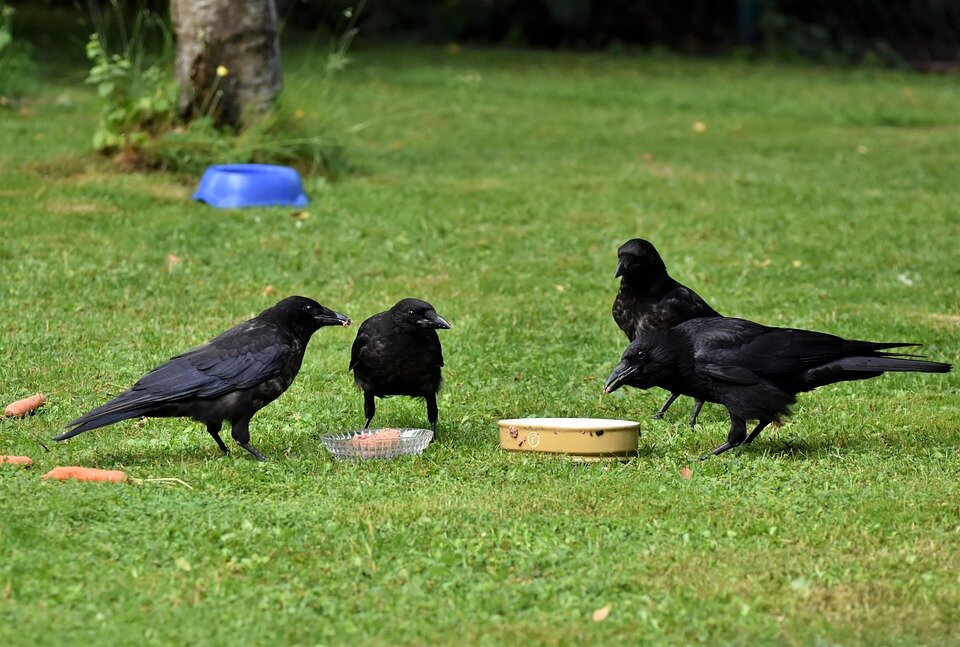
x: 497, y: 185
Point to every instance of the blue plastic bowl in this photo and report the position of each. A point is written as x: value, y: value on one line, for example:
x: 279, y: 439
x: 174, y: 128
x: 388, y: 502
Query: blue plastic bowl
x: 251, y: 185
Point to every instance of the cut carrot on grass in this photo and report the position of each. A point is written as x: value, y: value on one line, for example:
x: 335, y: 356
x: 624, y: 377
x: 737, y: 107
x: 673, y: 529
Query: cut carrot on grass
x: 76, y: 473
x: 21, y: 408
x: 16, y: 460
x: 86, y: 474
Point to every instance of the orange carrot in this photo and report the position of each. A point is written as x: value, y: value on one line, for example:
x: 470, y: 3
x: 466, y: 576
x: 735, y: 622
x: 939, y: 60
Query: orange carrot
x: 104, y: 476
x: 21, y: 408
x: 86, y: 474
x: 16, y: 460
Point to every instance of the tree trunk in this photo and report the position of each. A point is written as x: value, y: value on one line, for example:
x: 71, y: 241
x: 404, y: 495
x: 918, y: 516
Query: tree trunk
x: 228, y: 57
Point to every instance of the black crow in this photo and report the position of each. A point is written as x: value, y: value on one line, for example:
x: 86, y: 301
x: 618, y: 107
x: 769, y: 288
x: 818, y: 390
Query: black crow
x: 397, y: 352
x: 755, y: 371
x: 231, y: 377
x: 650, y: 299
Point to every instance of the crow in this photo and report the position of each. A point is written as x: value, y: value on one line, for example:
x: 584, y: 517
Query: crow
x: 755, y: 371
x: 397, y: 352
x: 650, y: 299
x: 231, y: 377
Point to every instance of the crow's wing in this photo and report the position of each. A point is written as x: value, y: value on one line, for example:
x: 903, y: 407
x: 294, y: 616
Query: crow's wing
x: 356, y: 351
x: 682, y: 303
x: 741, y: 345
x: 736, y: 351
x: 363, y: 344
x: 731, y: 374
x: 241, y: 358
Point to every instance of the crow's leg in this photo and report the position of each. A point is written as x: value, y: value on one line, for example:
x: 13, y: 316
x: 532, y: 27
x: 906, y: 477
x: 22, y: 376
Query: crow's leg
x: 241, y: 434
x: 666, y: 405
x: 432, y: 413
x: 696, y: 412
x: 369, y: 408
x: 756, y: 432
x: 738, y: 431
x: 214, y: 430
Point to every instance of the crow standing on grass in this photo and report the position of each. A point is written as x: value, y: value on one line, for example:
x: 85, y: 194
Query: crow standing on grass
x: 398, y: 352
x: 229, y: 378
x: 649, y: 299
x: 754, y: 371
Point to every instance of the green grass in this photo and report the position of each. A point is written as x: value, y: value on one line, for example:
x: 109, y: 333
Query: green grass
x: 497, y: 185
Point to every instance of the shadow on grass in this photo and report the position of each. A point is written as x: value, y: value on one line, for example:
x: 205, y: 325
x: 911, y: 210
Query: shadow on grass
x: 162, y: 456
x: 792, y: 448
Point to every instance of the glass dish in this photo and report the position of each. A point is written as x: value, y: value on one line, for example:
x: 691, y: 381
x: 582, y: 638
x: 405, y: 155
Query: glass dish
x: 377, y: 443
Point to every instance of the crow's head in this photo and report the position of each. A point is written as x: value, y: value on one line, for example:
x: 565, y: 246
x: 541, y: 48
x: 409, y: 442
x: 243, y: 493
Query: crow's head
x: 304, y: 314
x: 414, y: 313
x: 644, y: 364
x: 638, y: 258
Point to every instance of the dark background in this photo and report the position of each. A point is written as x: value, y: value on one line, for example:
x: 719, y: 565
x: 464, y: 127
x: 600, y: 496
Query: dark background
x: 921, y: 33
x: 844, y: 30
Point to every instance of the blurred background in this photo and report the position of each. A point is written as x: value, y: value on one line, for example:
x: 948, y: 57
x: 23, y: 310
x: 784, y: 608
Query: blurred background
x: 919, y: 31
x: 923, y: 34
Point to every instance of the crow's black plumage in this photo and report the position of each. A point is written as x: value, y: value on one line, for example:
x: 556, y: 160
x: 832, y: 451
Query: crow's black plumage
x: 231, y: 377
x: 755, y: 371
x: 650, y: 299
x: 398, y: 352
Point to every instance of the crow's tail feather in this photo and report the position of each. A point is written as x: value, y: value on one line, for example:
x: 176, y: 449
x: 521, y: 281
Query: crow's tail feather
x: 120, y: 408
x: 887, y: 363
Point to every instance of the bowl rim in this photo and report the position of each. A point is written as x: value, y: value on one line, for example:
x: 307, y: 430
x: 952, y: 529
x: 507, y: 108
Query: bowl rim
x: 250, y: 169
x: 353, y: 433
x: 571, y: 424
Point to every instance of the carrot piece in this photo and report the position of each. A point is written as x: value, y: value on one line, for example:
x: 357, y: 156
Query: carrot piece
x: 16, y: 460
x: 106, y: 476
x: 21, y: 408
x: 86, y: 474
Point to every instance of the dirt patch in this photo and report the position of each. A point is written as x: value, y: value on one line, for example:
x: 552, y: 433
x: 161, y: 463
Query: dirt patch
x: 72, y: 208
x: 168, y: 191
x: 67, y: 167
x: 947, y: 320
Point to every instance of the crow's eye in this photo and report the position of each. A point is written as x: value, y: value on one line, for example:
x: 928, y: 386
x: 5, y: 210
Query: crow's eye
x: 411, y: 312
x: 641, y: 354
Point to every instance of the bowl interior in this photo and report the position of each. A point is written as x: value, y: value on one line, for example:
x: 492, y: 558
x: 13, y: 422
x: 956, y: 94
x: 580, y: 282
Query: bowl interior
x: 250, y: 169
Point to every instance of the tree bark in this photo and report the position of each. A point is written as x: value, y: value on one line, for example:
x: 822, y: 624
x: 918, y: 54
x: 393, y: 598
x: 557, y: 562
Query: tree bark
x: 228, y: 58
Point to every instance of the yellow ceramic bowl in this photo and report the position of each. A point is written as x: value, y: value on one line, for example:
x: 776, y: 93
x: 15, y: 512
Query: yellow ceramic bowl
x: 583, y: 438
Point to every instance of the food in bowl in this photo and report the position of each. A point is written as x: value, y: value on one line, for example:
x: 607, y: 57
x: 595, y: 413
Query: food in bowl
x: 377, y: 443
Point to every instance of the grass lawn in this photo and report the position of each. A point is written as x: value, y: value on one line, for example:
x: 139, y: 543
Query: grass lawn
x: 497, y: 185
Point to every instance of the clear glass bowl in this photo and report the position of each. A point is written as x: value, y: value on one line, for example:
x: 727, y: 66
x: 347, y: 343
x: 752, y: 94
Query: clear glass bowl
x: 377, y: 443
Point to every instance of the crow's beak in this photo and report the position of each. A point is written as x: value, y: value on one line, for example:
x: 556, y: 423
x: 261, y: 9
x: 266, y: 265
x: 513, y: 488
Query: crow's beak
x: 336, y: 320
x: 621, y: 268
x: 433, y: 320
x: 615, y: 381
